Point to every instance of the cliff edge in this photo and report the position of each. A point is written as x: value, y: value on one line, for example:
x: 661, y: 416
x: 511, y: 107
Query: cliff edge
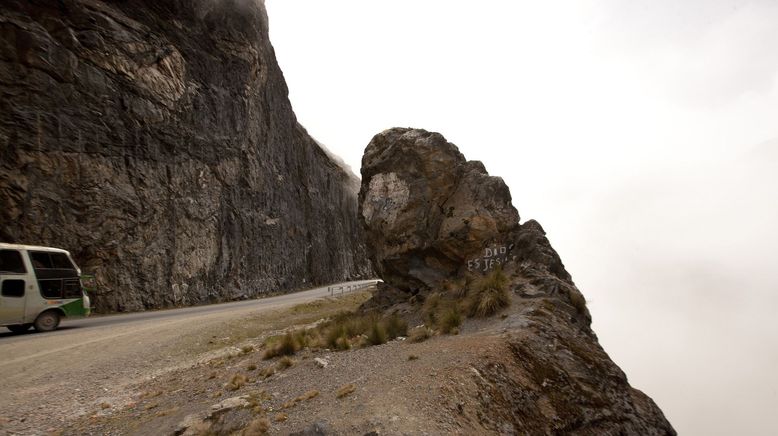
x: 445, y: 238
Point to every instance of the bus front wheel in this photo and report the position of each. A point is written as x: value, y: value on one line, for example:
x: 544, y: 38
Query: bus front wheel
x: 47, y: 321
x: 19, y: 328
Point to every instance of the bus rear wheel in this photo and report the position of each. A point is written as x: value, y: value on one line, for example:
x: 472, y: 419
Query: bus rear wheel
x: 47, y: 321
x: 19, y: 328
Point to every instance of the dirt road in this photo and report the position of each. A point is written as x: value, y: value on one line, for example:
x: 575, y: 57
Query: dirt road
x: 48, y: 379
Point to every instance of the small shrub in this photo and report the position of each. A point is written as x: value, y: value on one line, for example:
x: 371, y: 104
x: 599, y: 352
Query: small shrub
x: 246, y: 349
x: 280, y: 417
x: 345, y: 390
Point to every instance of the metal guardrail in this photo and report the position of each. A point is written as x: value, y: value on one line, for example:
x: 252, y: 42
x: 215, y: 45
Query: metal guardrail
x: 342, y: 289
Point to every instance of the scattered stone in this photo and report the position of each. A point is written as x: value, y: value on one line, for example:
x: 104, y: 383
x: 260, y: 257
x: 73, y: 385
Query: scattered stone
x: 230, y: 403
x: 321, y: 363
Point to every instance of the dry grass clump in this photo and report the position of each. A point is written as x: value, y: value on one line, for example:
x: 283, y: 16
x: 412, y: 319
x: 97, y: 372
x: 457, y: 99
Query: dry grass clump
x: 246, y: 349
x: 342, y: 332
x: 345, y: 390
x: 578, y: 300
x: 267, y: 371
x: 413, y: 357
x: 150, y: 394
x: 236, y: 382
x: 348, y: 330
x: 284, y: 363
x: 450, y: 320
x: 477, y: 296
x: 487, y: 295
x: 166, y: 412
x: 304, y: 397
x: 259, y: 426
x: 285, y: 345
x: 419, y: 334
x: 251, y: 367
x: 280, y: 417
x: 442, y: 313
x: 308, y: 395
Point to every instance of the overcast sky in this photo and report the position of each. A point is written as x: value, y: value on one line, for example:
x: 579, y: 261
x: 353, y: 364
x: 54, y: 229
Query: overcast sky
x: 643, y: 135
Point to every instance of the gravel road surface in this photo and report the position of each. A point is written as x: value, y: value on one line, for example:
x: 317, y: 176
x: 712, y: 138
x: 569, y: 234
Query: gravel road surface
x: 49, y: 378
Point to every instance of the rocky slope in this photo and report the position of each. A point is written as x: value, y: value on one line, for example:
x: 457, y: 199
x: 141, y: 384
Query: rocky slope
x: 155, y: 141
x: 437, y: 223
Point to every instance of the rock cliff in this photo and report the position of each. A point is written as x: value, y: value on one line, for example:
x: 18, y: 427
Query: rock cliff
x: 437, y: 224
x: 155, y: 141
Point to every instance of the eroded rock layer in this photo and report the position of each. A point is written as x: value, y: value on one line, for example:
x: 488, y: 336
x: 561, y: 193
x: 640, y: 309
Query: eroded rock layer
x: 436, y: 223
x: 155, y: 141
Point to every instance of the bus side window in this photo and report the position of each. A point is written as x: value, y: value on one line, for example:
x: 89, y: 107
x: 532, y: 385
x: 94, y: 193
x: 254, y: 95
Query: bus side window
x: 13, y: 288
x: 40, y: 260
x: 61, y: 261
x: 51, y: 288
x: 71, y: 288
x: 11, y: 262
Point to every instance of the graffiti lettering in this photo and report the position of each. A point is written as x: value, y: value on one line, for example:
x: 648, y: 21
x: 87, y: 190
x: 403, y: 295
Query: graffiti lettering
x: 493, y: 256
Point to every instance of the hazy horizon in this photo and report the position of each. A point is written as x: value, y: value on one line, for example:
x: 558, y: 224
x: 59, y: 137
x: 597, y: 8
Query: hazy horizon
x: 641, y: 135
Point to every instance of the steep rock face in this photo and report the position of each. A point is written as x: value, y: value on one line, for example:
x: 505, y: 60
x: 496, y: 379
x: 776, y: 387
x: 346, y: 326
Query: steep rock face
x: 435, y: 222
x: 155, y: 141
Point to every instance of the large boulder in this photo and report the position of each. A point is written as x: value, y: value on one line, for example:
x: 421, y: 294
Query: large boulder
x: 427, y: 210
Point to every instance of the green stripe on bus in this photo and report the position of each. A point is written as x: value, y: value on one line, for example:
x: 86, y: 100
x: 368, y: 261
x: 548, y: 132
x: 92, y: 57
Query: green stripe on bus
x: 75, y: 308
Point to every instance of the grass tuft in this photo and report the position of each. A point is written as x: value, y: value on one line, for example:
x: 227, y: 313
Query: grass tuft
x: 419, y: 334
x: 487, y: 294
x: 284, y: 363
x: 450, y: 320
x: 236, y: 382
x: 345, y: 390
x: 259, y: 426
x: 267, y: 371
